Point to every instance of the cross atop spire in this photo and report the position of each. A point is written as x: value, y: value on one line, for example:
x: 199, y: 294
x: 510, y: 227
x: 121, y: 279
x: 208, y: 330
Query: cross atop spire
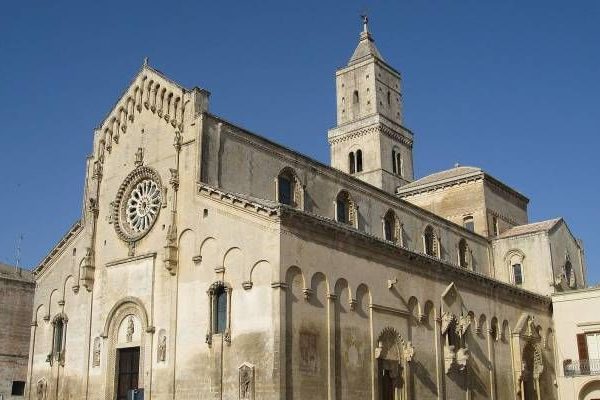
x: 366, y: 45
x: 365, y: 20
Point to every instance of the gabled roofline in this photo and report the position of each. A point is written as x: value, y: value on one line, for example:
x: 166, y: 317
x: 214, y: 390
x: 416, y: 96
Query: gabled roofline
x: 65, y: 240
x: 416, y: 189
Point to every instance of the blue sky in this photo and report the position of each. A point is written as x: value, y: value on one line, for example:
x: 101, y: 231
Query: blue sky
x: 509, y: 86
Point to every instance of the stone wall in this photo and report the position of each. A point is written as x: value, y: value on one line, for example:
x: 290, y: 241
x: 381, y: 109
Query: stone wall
x: 16, y: 302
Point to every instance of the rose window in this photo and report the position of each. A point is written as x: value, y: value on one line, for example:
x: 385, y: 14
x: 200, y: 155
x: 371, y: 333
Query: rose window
x: 143, y: 205
x: 138, y: 204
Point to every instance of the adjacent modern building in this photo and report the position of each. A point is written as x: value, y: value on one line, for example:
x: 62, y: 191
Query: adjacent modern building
x: 212, y: 263
x: 16, y: 303
x: 577, y: 335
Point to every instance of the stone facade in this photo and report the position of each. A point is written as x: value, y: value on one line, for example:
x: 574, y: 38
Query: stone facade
x: 210, y: 262
x: 577, y: 341
x: 16, y: 302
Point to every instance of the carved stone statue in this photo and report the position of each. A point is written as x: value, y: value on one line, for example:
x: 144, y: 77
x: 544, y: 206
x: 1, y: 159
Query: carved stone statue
x: 447, y: 319
x: 40, y: 389
x: 130, y: 329
x: 162, y: 348
x: 246, y: 382
x: 139, y: 157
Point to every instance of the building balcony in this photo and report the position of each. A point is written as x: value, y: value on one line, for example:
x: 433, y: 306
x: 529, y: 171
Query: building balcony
x: 581, y: 367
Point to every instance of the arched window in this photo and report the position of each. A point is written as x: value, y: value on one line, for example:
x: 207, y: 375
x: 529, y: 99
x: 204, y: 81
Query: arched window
x: 284, y: 189
x: 219, y: 297
x: 359, y: 161
x: 468, y: 223
x: 517, y: 271
x: 463, y: 254
x: 397, y: 164
x: 392, y: 229
x: 514, y: 262
x: 59, y: 335
x: 355, y: 97
x: 430, y: 244
x: 351, y: 163
x: 345, y: 209
x: 400, y: 164
x: 290, y: 191
x: 220, y: 312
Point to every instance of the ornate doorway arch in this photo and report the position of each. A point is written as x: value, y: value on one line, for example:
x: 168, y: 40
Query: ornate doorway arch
x: 393, y: 355
x: 127, y: 327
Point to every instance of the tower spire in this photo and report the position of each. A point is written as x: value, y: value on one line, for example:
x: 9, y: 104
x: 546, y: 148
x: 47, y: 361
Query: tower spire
x: 366, y: 44
x: 365, y: 21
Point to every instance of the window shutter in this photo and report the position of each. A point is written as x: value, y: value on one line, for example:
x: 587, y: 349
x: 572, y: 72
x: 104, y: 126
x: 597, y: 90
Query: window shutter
x: 582, y: 346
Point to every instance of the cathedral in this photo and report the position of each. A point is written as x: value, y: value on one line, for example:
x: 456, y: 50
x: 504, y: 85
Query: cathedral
x: 212, y: 263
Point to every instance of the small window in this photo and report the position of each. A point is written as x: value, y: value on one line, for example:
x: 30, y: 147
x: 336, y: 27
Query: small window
x: 359, y: 161
x: 430, y: 242
x: 342, y: 211
x: 389, y: 227
x: 345, y: 209
x: 517, y: 274
x: 18, y: 388
x: 394, y: 168
x: 59, y: 327
x: 285, y: 190
x: 399, y: 166
x: 220, y: 312
x: 463, y: 253
x: 469, y: 224
x: 351, y: 163
x: 355, y: 97
x: 389, y: 98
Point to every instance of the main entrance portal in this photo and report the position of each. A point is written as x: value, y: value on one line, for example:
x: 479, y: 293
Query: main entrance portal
x: 128, y: 371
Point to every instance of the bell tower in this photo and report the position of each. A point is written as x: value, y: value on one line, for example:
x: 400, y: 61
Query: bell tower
x: 369, y: 140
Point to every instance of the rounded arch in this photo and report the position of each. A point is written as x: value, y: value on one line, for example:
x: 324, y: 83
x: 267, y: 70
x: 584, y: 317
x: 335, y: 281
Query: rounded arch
x: 482, y: 324
x: 292, y: 272
x: 317, y: 279
x: 415, y: 308
x: 590, y: 390
x: 363, y: 300
x: 505, y: 332
x: 494, y: 328
x: 183, y: 232
x: 290, y: 189
x: 208, y: 250
x: 39, y: 312
x: 430, y: 242
x: 391, y: 227
x: 52, y: 298
x: 255, y: 265
x: 129, y: 304
x: 429, y: 312
x: 345, y: 208
x: 66, y: 281
x: 232, y: 258
x: 343, y: 293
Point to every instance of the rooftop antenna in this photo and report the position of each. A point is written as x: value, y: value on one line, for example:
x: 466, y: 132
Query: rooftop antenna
x: 18, y: 252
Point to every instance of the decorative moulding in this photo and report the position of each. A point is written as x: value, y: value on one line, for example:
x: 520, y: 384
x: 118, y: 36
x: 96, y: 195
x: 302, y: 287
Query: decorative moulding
x: 130, y: 259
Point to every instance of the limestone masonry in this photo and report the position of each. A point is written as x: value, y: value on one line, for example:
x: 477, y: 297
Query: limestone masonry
x: 212, y: 263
